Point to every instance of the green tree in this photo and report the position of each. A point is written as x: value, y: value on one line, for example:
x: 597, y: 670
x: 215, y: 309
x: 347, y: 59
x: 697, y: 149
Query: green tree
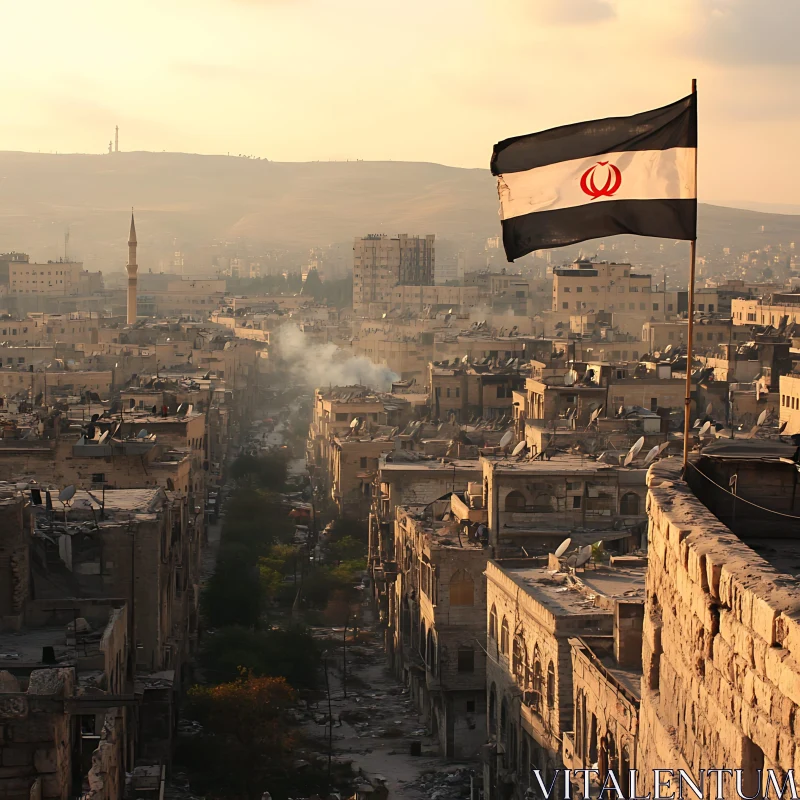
x: 290, y: 653
x: 233, y: 595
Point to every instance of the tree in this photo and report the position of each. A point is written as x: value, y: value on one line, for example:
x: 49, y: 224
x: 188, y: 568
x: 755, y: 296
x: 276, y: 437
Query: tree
x: 247, y: 741
x: 290, y: 654
x: 233, y: 595
x: 267, y: 471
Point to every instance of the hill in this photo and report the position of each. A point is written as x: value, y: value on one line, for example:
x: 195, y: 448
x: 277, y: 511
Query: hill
x: 191, y: 200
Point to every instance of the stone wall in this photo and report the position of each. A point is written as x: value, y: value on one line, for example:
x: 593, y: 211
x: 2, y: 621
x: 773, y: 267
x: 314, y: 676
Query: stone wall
x: 14, y: 569
x: 35, y: 735
x: 721, y: 650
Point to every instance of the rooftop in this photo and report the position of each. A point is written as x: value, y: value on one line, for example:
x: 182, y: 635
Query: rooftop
x: 565, y: 594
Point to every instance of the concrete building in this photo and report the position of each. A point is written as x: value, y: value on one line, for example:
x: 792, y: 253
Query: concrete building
x: 467, y: 392
x: 436, y: 626
x: 55, y: 278
x: 380, y: 263
x: 535, y: 609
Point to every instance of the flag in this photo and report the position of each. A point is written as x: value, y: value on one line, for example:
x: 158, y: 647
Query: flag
x: 592, y: 179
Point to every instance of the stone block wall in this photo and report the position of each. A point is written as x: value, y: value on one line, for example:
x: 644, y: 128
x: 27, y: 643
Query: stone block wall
x: 721, y: 644
x: 35, y: 736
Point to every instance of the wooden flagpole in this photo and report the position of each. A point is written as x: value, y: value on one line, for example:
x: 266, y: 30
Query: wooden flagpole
x: 687, y: 403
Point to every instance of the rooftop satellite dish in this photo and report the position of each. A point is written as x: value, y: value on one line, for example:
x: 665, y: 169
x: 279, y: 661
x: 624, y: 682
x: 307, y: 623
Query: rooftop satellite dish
x: 668, y: 349
x: 506, y: 438
x: 354, y: 423
x: 704, y: 429
x: 762, y: 417
x: 180, y: 411
x: 595, y: 414
x: 648, y: 459
x: 637, y: 446
x: 142, y: 434
x: 584, y: 554
x: 103, y: 437
x: 662, y: 447
x: 66, y: 494
x: 518, y: 449
x: 562, y: 548
x: 570, y: 377
x: 783, y: 426
x: 709, y: 409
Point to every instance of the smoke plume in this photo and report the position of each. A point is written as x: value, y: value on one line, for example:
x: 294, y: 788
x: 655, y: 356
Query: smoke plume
x: 326, y: 364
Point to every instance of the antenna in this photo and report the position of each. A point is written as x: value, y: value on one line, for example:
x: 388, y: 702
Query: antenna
x: 562, y: 548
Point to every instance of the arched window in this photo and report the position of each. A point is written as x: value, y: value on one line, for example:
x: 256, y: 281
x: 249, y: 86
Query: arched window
x: 431, y: 653
x: 543, y: 504
x: 629, y: 504
x: 518, y: 659
x: 537, y: 683
x: 515, y: 501
x: 493, y: 623
x: 611, y: 751
x: 492, y: 711
x: 578, y: 727
x: 551, y: 685
x: 462, y: 589
x: 625, y: 766
x: 504, y: 637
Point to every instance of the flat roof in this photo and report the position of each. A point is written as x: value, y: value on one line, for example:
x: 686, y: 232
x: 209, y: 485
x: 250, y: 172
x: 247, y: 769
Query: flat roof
x: 564, y: 594
x: 25, y: 647
x: 561, y: 462
x: 429, y: 465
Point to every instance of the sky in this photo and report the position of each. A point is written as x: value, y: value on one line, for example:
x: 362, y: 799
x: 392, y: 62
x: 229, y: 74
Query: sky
x: 403, y: 80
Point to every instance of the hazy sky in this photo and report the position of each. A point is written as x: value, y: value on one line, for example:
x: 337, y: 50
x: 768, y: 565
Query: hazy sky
x: 423, y: 80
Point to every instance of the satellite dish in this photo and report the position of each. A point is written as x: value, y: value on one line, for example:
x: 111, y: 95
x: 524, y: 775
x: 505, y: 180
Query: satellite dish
x: 180, y: 411
x: 762, y: 417
x: 628, y: 459
x: 584, y: 554
x: 667, y: 349
x: 637, y: 446
x: 103, y: 437
x: 518, y: 449
x: 704, y: 429
x: 651, y: 455
x: 506, y: 438
x: 66, y: 494
x: 562, y: 548
x: 570, y: 377
x: 595, y: 414
x: 142, y: 434
x: 783, y: 426
x: 662, y: 447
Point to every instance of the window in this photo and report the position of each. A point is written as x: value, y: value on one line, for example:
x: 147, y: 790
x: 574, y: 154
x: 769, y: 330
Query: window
x: 629, y: 504
x: 669, y: 306
x: 493, y: 623
x: 515, y: 501
x: 567, y: 289
x: 631, y: 306
x: 594, y: 289
x: 701, y: 307
x: 504, y: 637
x: 710, y: 308
x: 448, y: 391
x: 576, y: 501
x: 565, y: 306
x: 470, y: 706
x: 462, y: 589
x: 537, y: 683
x: 655, y: 306
x: 99, y: 477
x: 466, y: 661
x: 551, y: 685
x: 519, y: 660
x: 579, y: 289
x: 543, y: 504
x: 458, y: 391
x: 341, y: 417
x: 363, y: 462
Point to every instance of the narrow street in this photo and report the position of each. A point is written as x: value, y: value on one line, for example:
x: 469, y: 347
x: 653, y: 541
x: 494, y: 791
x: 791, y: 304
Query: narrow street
x: 376, y: 725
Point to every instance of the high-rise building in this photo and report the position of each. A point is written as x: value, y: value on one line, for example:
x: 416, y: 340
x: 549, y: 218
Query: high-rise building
x: 381, y: 263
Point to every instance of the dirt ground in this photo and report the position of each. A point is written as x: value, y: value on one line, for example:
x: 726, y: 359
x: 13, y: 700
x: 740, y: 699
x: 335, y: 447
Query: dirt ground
x: 375, y: 725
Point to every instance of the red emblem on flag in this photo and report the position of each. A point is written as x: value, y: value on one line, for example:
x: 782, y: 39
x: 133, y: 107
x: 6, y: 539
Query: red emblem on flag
x: 613, y: 181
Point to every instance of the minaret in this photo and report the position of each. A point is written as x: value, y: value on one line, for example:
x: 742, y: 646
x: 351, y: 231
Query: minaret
x: 116, y: 139
x: 132, y: 269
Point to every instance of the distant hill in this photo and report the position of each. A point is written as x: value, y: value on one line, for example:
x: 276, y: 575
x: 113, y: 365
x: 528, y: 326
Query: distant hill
x: 191, y: 200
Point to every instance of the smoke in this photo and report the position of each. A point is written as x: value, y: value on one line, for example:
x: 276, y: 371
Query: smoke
x: 326, y: 364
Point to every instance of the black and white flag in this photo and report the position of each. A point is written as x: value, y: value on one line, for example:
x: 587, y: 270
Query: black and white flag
x: 600, y: 178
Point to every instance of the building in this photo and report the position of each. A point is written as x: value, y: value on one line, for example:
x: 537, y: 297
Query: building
x: 56, y: 278
x: 535, y: 611
x: 380, y: 263
x: 721, y: 638
x: 436, y: 625
x: 467, y: 392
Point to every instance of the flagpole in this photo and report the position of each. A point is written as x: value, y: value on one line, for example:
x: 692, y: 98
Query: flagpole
x: 687, y: 403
